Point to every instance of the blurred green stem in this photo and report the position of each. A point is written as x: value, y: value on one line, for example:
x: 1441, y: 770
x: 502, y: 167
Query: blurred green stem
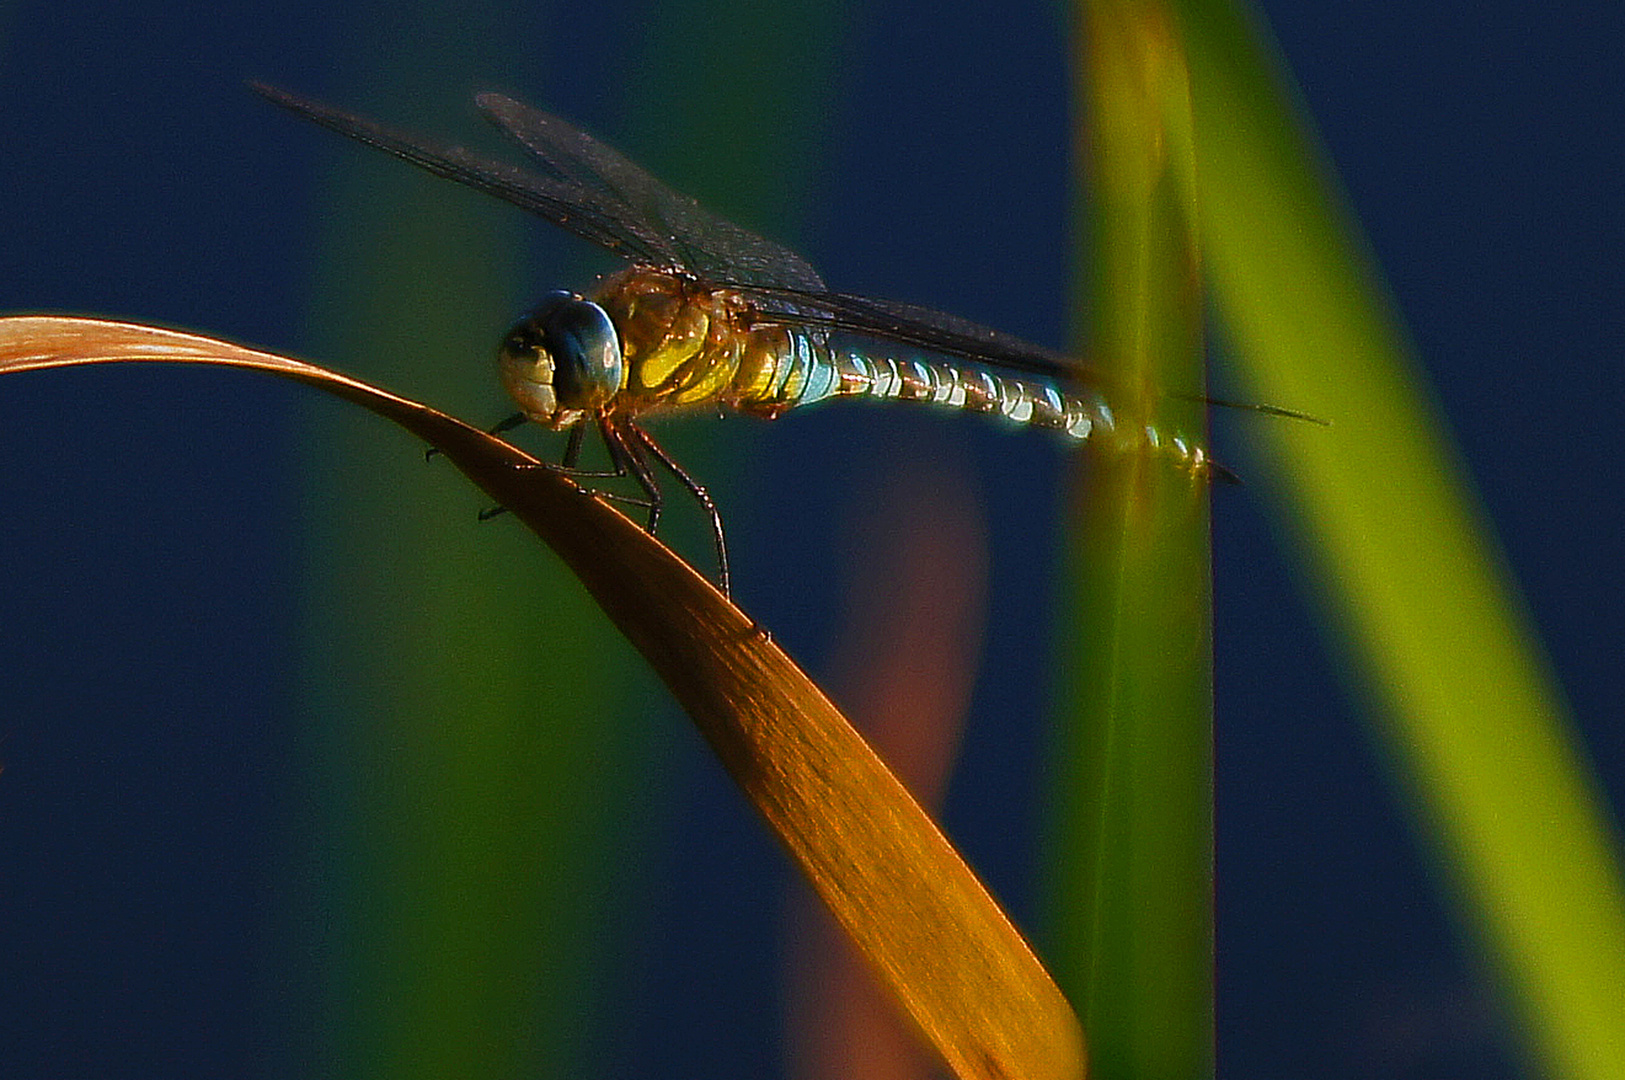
x: 1413, y: 583
x: 1135, y: 822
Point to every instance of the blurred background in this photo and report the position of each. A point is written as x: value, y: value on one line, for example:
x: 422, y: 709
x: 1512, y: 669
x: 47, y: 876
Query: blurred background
x: 308, y: 773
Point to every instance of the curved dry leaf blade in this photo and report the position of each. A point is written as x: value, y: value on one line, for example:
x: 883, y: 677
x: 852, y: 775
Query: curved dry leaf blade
x: 896, y: 885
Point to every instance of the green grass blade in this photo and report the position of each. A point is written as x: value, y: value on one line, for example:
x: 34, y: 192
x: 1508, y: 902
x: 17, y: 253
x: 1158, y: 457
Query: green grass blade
x: 488, y: 773
x: 474, y: 826
x: 1412, y: 580
x: 1134, y: 868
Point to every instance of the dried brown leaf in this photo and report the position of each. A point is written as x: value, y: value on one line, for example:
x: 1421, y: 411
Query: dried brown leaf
x: 953, y: 959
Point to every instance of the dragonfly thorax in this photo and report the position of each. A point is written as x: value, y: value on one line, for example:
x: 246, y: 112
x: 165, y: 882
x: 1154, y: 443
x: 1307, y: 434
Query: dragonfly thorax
x: 562, y: 361
x: 689, y: 343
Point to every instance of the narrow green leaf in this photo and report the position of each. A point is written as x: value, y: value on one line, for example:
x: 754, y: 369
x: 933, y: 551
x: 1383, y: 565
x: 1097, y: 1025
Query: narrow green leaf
x: 1404, y: 560
x: 1134, y: 873
x: 465, y: 892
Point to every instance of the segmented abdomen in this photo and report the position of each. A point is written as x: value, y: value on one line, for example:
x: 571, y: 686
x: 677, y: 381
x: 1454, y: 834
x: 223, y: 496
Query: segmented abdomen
x: 802, y: 369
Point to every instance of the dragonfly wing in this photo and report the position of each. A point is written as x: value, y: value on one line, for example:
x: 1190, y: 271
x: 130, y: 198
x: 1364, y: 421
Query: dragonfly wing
x: 948, y: 335
x: 701, y: 241
x: 590, y: 214
x: 923, y: 328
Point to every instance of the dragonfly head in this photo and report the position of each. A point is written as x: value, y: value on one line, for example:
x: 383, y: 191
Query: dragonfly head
x: 562, y: 361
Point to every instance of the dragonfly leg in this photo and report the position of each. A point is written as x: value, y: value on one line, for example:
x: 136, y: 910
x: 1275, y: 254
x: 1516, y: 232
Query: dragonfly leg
x: 505, y: 424
x: 701, y: 496
x: 568, y: 464
x: 625, y: 463
x: 629, y: 448
x: 508, y: 423
x: 572, y: 449
x: 627, y: 456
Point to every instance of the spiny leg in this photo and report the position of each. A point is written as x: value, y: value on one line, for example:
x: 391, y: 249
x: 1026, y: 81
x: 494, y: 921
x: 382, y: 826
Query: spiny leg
x: 572, y: 454
x: 702, y: 496
x: 507, y: 423
x: 629, y: 446
x: 627, y: 457
x: 620, y: 462
x: 572, y: 450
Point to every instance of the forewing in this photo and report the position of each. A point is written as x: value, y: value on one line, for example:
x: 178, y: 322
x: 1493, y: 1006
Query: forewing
x: 563, y: 200
x: 711, y: 246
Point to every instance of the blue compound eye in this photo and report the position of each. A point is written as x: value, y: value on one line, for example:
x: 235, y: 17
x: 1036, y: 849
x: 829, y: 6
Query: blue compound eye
x: 587, y: 369
x: 563, y: 357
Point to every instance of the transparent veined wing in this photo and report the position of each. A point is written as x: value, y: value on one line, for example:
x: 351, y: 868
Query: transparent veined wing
x: 698, y: 240
x: 564, y: 200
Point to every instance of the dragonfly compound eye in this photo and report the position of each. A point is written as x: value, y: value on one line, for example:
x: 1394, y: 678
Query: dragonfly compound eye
x: 562, y: 360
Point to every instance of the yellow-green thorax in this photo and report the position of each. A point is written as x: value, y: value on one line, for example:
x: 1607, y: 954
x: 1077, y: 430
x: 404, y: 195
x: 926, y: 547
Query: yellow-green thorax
x: 686, y: 343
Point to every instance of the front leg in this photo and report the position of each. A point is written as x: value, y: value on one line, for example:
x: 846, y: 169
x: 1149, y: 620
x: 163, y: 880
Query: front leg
x: 636, y: 436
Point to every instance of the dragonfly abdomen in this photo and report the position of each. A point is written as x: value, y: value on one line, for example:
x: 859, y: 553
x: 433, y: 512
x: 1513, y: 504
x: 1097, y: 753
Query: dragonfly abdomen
x: 809, y: 370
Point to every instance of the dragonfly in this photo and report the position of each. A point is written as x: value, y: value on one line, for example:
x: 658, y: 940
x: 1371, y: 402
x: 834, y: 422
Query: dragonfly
x: 707, y: 314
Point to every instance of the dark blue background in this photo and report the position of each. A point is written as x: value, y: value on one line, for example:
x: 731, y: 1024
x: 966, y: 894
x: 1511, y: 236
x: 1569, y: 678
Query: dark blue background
x: 147, y: 633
